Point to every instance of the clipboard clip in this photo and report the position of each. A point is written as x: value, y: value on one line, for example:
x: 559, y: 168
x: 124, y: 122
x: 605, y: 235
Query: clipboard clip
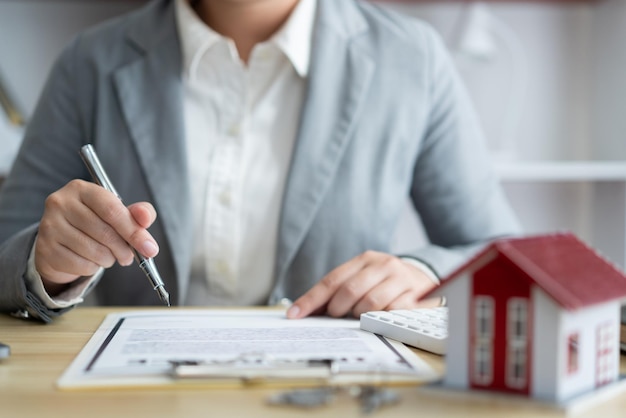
x: 252, y: 368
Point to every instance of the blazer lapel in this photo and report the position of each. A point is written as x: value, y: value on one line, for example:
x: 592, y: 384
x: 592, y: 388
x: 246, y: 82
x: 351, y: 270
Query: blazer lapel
x: 339, y: 78
x: 149, y: 90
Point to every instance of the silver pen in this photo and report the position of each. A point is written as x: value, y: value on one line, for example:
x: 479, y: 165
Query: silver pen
x: 92, y: 162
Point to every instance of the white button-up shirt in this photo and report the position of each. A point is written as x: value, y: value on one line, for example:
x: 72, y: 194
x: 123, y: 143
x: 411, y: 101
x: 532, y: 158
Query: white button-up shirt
x: 241, y: 123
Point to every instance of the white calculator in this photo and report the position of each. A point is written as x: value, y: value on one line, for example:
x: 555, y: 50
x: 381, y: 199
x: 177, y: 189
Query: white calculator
x: 425, y: 328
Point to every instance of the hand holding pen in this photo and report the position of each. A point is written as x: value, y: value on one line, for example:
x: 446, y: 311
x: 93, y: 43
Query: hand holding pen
x: 146, y: 264
x: 85, y: 227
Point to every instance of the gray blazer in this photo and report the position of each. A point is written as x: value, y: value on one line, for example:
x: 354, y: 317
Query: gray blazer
x: 385, y: 117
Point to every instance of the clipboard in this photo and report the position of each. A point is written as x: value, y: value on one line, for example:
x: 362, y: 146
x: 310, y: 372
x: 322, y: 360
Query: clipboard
x: 238, y: 348
x: 249, y: 371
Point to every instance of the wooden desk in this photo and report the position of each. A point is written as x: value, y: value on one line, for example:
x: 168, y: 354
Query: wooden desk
x: 40, y: 353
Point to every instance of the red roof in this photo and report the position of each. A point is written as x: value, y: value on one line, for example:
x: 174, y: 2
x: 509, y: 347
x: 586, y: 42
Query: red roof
x: 567, y: 269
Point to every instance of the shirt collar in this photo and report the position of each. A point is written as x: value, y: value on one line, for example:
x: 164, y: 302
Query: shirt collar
x: 195, y: 36
x: 294, y: 38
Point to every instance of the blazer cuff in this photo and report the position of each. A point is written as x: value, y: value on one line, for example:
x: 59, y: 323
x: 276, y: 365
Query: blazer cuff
x: 69, y: 297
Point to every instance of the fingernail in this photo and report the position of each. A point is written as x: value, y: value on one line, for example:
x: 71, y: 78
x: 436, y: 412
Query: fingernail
x: 149, y: 248
x: 293, y: 311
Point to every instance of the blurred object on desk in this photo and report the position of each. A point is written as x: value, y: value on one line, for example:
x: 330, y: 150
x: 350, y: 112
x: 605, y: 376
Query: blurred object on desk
x: 12, y: 124
x: 5, y: 351
x: 8, y: 105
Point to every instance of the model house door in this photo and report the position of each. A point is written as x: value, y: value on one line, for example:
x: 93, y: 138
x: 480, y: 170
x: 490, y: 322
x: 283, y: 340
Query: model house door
x: 500, y: 319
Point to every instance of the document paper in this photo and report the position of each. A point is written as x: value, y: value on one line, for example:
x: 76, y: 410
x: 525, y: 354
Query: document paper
x: 137, y: 348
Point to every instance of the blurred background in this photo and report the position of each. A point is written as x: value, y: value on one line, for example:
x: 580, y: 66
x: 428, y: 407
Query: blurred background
x: 548, y: 78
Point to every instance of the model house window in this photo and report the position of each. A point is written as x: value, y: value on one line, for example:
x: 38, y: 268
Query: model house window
x: 516, y: 367
x: 517, y: 342
x: 572, y: 353
x: 517, y: 319
x: 483, y: 339
x: 605, y: 356
x: 484, y: 317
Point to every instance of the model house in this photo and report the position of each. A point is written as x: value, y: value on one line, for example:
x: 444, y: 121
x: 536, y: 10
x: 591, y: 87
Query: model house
x: 537, y: 316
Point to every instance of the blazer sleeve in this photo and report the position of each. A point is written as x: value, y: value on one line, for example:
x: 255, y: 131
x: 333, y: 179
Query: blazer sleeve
x: 47, y: 160
x: 455, y: 189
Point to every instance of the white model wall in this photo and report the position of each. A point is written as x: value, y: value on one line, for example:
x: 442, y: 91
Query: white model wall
x: 545, y: 333
x: 458, y: 294
x: 586, y: 322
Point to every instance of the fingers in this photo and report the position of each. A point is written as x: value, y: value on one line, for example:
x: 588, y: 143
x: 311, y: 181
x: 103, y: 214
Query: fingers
x: 58, y: 264
x: 80, y: 229
x: 321, y: 294
x: 368, y: 289
x: 119, y: 225
x: 389, y: 294
x: 371, y: 281
x: 143, y: 213
x: 85, y: 227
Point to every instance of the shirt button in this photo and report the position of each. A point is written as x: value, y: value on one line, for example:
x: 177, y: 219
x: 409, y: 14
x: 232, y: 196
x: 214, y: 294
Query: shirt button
x: 222, y: 268
x: 225, y: 198
x: 234, y: 130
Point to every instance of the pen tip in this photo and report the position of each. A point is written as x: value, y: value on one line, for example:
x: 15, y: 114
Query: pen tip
x: 164, y: 296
